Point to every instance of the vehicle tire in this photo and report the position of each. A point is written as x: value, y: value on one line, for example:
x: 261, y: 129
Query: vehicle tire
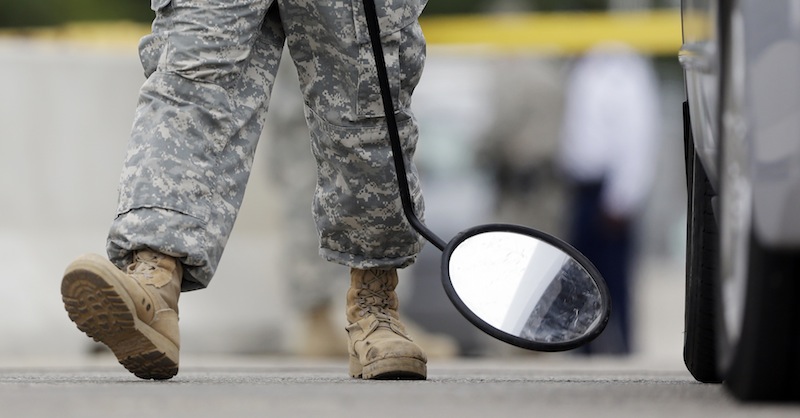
x: 758, y: 287
x: 765, y: 362
x: 702, y: 237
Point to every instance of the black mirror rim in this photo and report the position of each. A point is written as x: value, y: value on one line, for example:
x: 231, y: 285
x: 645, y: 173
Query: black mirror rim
x: 512, y: 339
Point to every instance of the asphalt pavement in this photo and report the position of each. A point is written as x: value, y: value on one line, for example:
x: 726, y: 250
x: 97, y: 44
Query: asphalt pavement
x: 535, y: 385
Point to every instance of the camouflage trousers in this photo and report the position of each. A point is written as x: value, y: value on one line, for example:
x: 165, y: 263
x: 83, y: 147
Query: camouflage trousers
x: 210, y: 66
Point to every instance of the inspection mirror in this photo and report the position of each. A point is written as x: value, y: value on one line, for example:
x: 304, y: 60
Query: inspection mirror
x: 517, y: 284
x: 525, y: 287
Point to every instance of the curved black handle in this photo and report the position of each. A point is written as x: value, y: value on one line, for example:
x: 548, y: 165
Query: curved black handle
x: 394, y: 136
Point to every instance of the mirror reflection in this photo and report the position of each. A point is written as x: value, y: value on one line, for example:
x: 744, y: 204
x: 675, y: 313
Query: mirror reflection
x: 526, y: 287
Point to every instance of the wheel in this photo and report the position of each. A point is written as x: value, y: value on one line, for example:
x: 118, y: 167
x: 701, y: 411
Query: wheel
x: 702, y: 236
x: 758, y: 286
x: 765, y: 359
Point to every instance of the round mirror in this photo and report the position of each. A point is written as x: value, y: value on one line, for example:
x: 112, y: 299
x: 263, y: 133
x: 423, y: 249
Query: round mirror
x: 525, y: 287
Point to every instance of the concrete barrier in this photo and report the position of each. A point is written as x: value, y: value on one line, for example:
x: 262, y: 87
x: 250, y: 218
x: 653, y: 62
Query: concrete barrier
x: 65, y: 116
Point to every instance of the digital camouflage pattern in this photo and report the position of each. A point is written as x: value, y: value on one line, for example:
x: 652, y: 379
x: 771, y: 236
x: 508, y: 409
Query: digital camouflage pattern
x: 210, y: 66
x: 292, y: 170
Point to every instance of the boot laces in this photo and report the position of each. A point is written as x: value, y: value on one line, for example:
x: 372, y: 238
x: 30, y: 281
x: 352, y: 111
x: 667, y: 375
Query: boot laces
x: 144, y: 263
x: 374, y: 298
x: 374, y: 302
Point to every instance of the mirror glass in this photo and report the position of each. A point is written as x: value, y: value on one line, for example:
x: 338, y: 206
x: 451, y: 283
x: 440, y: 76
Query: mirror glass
x: 526, y: 288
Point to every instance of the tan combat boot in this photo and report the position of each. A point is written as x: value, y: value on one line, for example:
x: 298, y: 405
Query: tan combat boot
x: 378, y: 344
x: 134, y: 313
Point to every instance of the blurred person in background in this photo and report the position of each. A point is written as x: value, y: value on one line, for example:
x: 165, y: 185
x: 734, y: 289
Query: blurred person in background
x: 292, y: 169
x: 518, y: 148
x: 210, y: 67
x: 610, y: 132
x: 521, y: 144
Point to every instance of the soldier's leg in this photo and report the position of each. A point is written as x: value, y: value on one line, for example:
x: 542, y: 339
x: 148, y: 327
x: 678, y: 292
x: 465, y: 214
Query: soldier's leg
x: 210, y: 65
x: 356, y: 204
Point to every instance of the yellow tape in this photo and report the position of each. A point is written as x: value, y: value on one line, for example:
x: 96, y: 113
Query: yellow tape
x: 653, y: 32
x: 110, y: 35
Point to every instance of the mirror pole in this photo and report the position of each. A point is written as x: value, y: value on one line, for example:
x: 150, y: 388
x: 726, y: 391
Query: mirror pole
x: 391, y: 121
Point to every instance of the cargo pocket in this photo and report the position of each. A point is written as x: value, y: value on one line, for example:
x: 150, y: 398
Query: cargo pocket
x: 158, y: 5
x: 183, y: 201
x: 394, y: 16
x: 152, y: 47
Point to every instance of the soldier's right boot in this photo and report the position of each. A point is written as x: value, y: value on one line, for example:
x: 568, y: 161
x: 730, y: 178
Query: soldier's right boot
x: 378, y: 343
x: 134, y: 313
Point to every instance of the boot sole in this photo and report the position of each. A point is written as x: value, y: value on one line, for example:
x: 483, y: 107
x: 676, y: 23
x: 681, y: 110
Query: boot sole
x: 390, y: 369
x: 102, y: 309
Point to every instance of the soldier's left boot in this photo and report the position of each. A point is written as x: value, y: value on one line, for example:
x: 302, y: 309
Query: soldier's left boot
x: 134, y: 312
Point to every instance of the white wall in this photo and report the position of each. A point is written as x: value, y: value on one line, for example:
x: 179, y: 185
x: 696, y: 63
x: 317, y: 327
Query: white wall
x: 65, y: 115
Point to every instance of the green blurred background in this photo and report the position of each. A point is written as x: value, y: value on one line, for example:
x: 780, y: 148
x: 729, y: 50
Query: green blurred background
x: 30, y: 13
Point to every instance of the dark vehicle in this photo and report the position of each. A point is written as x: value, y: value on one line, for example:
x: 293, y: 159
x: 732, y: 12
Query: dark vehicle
x: 741, y: 61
